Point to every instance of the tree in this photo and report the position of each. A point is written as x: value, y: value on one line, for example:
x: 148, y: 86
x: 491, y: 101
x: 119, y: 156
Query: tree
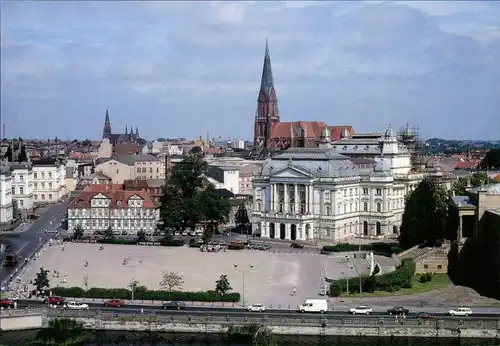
x: 474, y: 180
x: 108, y: 233
x: 78, y: 232
x: 16, y: 213
x: 425, y: 209
x: 222, y: 286
x: 133, y: 285
x: 212, y: 207
x: 460, y: 187
x: 241, y: 218
x: 171, y: 281
x: 23, y: 155
x: 141, y: 236
x: 86, y: 281
x: 41, y: 280
x: 196, y: 150
x: 478, y: 178
x: 62, y: 332
x: 491, y: 160
x: 9, y: 154
x: 264, y: 337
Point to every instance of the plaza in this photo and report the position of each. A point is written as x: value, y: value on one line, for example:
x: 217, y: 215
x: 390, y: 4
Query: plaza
x: 270, y: 277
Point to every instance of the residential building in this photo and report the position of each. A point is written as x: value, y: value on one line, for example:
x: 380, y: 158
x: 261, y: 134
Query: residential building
x: 22, y: 185
x: 246, y: 178
x: 224, y: 177
x: 154, y: 187
x: 103, y: 206
x: 71, y: 178
x: 317, y: 193
x: 93, y: 179
x: 49, y: 181
x: 131, y: 167
x: 6, y: 207
x: 105, y: 149
x: 85, y: 168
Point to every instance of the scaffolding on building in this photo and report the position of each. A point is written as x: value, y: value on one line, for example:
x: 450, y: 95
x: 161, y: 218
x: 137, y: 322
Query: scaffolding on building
x: 410, y: 137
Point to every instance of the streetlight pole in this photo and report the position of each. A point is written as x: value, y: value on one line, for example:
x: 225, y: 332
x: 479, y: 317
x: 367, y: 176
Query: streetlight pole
x: 243, y: 272
x: 133, y: 283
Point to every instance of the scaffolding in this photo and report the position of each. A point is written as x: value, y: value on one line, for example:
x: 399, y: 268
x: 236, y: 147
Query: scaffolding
x: 410, y: 137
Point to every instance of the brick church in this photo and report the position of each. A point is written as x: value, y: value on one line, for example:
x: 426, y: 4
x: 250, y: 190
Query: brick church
x: 271, y: 134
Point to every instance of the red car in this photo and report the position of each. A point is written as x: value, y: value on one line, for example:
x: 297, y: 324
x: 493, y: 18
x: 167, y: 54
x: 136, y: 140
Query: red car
x: 6, y: 304
x: 297, y: 245
x: 113, y: 303
x: 425, y: 315
x: 53, y: 300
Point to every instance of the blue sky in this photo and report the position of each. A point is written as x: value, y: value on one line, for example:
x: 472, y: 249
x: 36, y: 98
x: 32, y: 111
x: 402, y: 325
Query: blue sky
x: 188, y: 68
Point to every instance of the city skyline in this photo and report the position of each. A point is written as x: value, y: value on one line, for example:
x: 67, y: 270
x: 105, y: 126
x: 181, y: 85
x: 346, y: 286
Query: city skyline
x: 364, y: 64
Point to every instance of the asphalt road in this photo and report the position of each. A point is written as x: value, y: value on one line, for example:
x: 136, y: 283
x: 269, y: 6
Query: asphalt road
x: 199, y: 310
x: 26, y: 243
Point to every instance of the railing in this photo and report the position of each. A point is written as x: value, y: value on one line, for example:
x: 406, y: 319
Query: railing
x: 273, y: 320
x: 21, y: 312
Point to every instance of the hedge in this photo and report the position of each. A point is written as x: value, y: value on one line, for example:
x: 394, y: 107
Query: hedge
x: 141, y: 293
x: 390, y: 282
x: 235, y: 247
x: 118, y: 241
x: 379, y: 247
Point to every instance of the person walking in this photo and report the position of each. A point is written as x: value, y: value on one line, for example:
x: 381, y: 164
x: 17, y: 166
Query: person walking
x: 294, y: 290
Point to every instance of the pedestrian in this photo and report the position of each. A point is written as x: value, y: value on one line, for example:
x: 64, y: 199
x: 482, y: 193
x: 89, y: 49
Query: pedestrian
x: 294, y: 290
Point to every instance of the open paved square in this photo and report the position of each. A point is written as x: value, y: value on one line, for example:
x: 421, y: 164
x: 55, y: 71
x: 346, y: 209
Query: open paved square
x: 270, y: 280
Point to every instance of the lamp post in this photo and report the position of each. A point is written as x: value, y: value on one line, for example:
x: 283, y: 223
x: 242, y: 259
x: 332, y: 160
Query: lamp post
x: 133, y: 284
x: 243, y: 271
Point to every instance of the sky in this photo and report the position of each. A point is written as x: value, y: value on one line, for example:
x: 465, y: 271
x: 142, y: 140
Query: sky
x: 185, y: 69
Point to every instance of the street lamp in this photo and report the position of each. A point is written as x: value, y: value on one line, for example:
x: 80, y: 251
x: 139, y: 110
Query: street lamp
x: 243, y: 271
x: 133, y: 284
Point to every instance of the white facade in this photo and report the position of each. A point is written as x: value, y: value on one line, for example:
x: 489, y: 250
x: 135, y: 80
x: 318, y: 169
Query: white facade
x: 22, y: 185
x: 316, y: 193
x: 224, y: 178
x: 6, y: 208
x: 125, y: 215
x: 49, y: 182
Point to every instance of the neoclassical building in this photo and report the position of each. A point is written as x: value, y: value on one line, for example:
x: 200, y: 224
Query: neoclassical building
x: 322, y: 193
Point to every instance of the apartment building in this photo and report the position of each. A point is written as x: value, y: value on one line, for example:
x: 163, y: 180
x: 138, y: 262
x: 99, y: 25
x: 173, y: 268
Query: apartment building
x: 6, y: 208
x: 49, y: 181
x: 22, y: 185
x: 246, y: 178
x: 132, y: 167
x: 224, y: 177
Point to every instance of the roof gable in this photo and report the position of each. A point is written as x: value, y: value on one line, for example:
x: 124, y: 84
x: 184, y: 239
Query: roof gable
x: 291, y: 172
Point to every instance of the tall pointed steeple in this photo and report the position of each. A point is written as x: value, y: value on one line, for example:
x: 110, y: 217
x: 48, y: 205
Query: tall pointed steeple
x: 126, y: 129
x: 137, y: 131
x: 267, y: 106
x: 106, y: 132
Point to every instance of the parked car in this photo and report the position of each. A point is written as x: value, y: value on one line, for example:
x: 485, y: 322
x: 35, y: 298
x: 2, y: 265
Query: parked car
x: 174, y: 305
x: 314, y: 305
x: 256, y: 308
x: 297, y: 245
x: 363, y: 310
x: 6, y: 303
x: 53, y: 300
x: 425, y: 315
x: 398, y: 310
x: 76, y: 306
x: 460, y: 312
x: 113, y: 303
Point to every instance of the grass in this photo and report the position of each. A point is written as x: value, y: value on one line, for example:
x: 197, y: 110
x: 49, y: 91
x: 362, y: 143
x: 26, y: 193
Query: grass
x: 439, y: 281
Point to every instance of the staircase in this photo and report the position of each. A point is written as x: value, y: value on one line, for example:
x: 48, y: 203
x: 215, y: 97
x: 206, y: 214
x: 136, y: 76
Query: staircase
x: 414, y: 253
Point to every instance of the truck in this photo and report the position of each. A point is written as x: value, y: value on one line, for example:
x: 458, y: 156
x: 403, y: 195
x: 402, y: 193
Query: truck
x: 314, y: 305
x: 10, y: 261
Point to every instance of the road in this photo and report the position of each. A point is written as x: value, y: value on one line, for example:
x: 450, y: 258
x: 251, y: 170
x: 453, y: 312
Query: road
x: 200, y: 310
x: 26, y: 243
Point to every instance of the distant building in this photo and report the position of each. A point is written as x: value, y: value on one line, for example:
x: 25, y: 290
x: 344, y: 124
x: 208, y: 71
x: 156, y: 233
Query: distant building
x: 131, y: 167
x: 6, y: 207
x: 224, y: 178
x: 115, y: 138
x: 49, y: 181
x: 22, y: 184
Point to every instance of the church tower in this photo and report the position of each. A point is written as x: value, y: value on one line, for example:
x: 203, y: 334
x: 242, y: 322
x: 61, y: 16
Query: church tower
x: 106, y: 131
x: 267, y: 106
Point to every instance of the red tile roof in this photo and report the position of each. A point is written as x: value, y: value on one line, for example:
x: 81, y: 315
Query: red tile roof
x: 467, y: 164
x: 103, y: 187
x: 126, y: 149
x: 118, y: 199
x: 312, y: 129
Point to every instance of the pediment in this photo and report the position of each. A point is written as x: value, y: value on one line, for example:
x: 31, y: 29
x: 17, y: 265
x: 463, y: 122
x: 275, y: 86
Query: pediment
x: 291, y: 172
x: 100, y: 196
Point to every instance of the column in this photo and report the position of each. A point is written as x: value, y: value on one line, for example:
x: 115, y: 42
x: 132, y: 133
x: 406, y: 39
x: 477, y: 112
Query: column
x: 307, y: 198
x: 285, y: 198
x: 459, y: 232
x: 311, y: 199
x: 272, y: 197
x: 264, y: 230
x: 288, y: 234
x: 297, y: 203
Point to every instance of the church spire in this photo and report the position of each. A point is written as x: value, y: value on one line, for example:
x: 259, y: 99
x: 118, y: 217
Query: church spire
x: 267, y: 82
x: 137, y: 131
x: 126, y: 129
x: 106, y: 132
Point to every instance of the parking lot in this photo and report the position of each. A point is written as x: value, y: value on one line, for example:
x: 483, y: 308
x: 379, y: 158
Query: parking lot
x: 270, y: 276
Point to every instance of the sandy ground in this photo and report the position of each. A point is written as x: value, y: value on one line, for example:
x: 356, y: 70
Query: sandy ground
x: 269, y: 277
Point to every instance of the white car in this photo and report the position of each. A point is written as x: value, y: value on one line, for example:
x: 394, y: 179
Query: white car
x: 362, y: 310
x: 256, y: 308
x: 460, y: 312
x: 76, y: 306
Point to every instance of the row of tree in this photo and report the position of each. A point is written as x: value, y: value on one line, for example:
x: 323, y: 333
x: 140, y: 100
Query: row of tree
x: 22, y: 156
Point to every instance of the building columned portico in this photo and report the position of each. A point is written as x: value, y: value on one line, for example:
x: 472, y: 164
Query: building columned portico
x: 317, y: 193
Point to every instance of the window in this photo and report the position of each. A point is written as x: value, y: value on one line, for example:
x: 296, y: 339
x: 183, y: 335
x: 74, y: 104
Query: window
x: 13, y: 190
x: 345, y: 193
x: 21, y: 202
x: 43, y: 197
x: 379, y: 207
x: 350, y: 192
x: 35, y: 176
x: 151, y: 170
x: 426, y: 266
x: 328, y: 210
x: 43, y: 186
x: 117, y: 171
x: 365, y: 191
x: 35, y: 186
x: 50, y: 186
x: 50, y: 175
x: 258, y: 206
x: 365, y: 206
x: 21, y: 177
x: 350, y: 207
x: 440, y: 266
x: 138, y: 169
x: 379, y: 192
x: 345, y: 208
x: 21, y: 190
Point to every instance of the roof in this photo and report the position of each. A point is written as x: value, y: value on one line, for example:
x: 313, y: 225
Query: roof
x: 311, y: 130
x: 462, y: 201
x: 118, y: 199
x: 98, y: 175
x: 491, y: 189
x: 103, y: 187
x: 132, y: 159
x: 155, y: 182
x: 225, y: 193
x: 267, y: 83
x: 310, y: 154
x: 126, y: 149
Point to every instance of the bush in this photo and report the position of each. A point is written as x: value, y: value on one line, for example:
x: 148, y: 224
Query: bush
x: 116, y: 241
x: 194, y: 243
x: 378, y: 247
x: 172, y: 242
x: 424, y: 278
x: 235, y: 247
x: 144, y: 294
x: 335, y: 289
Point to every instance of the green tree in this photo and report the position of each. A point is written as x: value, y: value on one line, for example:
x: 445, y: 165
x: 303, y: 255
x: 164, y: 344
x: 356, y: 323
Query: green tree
x: 264, y: 337
x: 9, y: 154
x: 222, y: 285
x: 491, y: 160
x: 171, y: 281
x: 78, y: 232
x: 62, y: 332
x: 23, y: 155
x: 41, y: 280
x: 370, y: 284
x: 108, y: 233
x: 425, y: 209
x: 241, y: 218
x: 478, y: 178
x: 460, y: 186
x: 196, y: 150
x: 474, y: 180
x: 141, y: 236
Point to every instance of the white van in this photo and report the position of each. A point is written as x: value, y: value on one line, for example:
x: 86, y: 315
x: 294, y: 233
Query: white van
x: 460, y: 312
x: 314, y: 305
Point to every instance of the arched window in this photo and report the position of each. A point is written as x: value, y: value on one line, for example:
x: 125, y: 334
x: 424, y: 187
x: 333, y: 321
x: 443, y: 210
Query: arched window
x: 379, y: 207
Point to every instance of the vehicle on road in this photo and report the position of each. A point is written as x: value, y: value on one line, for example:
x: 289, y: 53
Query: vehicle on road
x: 76, y: 306
x: 113, y: 303
x: 361, y: 310
x: 6, y: 304
x: 10, y: 261
x: 256, y: 308
x: 174, y: 305
x: 460, y: 312
x: 296, y: 245
x: 54, y: 300
x: 314, y: 305
x: 51, y: 231
x: 425, y: 315
x: 8, y: 248
x: 398, y: 310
